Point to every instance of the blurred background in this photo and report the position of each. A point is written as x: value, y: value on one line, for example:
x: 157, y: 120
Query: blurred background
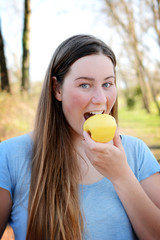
x: 30, y: 31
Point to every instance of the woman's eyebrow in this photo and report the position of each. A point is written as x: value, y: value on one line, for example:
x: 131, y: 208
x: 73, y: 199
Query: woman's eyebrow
x: 86, y: 78
x: 92, y: 79
x: 109, y: 77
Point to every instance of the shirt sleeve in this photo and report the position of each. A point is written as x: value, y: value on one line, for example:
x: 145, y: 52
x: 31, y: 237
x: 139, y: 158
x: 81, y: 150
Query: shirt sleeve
x: 5, y: 174
x: 148, y: 165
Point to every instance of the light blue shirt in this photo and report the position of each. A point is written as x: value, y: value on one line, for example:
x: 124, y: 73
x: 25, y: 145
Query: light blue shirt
x: 104, y: 215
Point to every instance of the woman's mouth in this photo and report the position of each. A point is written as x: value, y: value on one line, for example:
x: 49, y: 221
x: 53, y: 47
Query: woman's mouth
x: 89, y: 114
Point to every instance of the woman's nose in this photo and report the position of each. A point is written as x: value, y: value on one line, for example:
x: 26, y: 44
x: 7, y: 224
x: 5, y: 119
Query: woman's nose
x: 99, y: 97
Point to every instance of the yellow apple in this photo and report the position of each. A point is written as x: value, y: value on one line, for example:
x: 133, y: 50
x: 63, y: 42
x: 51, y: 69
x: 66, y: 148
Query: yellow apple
x: 101, y: 127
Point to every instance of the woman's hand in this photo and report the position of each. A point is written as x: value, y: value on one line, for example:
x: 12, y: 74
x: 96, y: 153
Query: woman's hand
x: 108, y: 158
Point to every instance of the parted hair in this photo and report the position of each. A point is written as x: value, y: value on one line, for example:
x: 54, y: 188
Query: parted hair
x: 53, y: 210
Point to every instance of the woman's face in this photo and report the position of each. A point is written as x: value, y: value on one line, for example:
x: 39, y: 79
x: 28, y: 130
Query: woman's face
x: 89, y: 88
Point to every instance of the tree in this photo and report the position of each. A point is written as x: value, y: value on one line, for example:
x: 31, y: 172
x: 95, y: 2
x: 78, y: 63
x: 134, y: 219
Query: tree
x: 25, y: 84
x: 155, y: 6
x: 134, y: 20
x: 3, y: 67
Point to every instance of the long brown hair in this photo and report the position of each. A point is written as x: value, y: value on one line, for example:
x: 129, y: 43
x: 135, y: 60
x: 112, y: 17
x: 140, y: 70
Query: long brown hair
x: 54, y: 211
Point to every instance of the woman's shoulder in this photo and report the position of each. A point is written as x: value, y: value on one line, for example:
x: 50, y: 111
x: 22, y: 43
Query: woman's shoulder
x: 128, y: 138
x: 23, y: 141
x: 16, y: 149
x: 140, y: 157
x: 132, y: 142
x: 135, y: 146
x: 19, y: 139
x: 15, y: 159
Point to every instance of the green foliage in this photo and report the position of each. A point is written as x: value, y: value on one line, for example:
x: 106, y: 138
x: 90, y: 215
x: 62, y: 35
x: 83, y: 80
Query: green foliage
x: 132, y: 96
x: 137, y: 91
x: 130, y: 103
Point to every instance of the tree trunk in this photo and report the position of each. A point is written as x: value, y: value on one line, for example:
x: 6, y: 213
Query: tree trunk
x: 140, y: 74
x: 25, y: 84
x: 154, y: 95
x: 128, y: 27
x: 3, y: 67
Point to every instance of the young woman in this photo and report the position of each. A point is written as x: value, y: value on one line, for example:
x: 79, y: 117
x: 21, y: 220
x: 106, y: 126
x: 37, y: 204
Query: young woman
x: 57, y: 183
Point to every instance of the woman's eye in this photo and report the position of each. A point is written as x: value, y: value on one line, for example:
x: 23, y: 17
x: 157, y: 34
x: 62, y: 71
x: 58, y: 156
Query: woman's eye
x: 107, y: 84
x: 84, y: 85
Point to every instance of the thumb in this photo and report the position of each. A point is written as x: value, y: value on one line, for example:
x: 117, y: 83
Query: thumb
x: 117, y: 140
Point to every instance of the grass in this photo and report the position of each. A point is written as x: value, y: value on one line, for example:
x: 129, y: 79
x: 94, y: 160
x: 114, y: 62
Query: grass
x: 140, y: 124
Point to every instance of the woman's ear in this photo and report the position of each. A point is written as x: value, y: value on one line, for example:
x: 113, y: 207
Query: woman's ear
x: 57, y: 89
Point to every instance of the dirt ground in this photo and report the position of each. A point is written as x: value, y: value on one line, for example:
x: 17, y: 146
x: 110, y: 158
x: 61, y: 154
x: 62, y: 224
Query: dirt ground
x: 8, y: 234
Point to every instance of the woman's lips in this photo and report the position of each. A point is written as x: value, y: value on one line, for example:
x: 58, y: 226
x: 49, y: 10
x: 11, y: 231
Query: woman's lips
x: 89, y: 114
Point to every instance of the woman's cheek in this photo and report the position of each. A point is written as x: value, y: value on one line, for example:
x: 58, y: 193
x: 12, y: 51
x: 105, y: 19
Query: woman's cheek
x: 75, y: 102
